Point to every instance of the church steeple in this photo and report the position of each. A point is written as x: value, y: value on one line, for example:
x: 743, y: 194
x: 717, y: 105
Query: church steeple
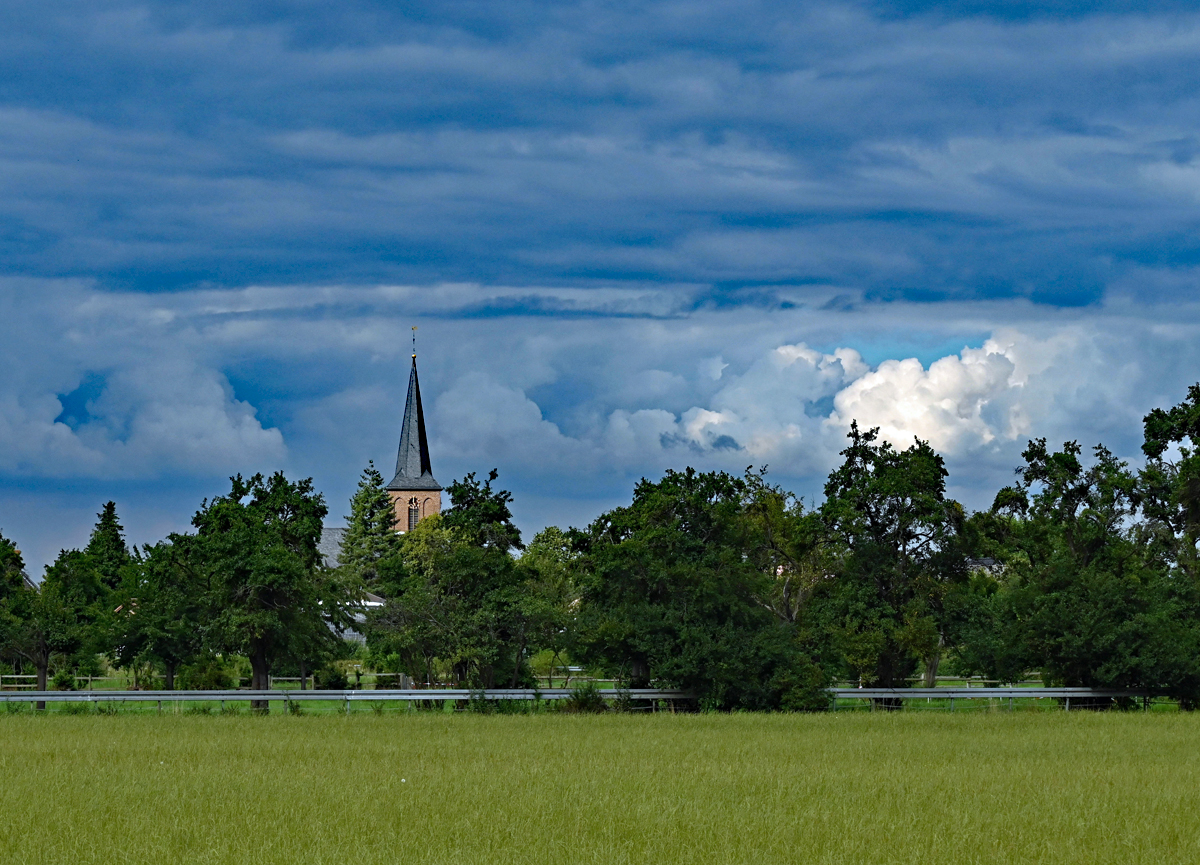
x: 413, y: 470
x: 414, y: 492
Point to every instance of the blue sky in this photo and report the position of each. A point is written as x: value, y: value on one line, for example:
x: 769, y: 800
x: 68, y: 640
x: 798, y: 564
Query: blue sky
x: 633, y: 236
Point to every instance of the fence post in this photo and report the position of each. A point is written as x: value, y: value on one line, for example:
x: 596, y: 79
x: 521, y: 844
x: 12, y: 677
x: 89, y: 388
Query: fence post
x: 1068, y: 708
x: 951, y: 704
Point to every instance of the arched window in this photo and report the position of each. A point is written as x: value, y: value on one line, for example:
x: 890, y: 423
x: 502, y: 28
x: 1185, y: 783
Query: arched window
x: 414, y: 513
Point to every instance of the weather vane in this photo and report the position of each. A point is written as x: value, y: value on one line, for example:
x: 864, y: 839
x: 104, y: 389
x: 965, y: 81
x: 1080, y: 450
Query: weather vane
x: 414, y: 340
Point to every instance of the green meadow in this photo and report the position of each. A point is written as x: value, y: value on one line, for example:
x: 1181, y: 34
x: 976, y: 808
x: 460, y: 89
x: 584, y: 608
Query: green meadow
x: 438, y: 788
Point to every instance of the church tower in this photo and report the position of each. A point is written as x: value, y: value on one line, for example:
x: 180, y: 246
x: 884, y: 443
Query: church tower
x: 414, y: 493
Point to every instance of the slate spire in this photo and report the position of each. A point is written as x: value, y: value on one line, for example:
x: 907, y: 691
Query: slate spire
x: 413, y: 471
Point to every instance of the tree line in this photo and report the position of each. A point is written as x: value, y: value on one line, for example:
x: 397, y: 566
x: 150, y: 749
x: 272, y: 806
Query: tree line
x: 1083, y: 572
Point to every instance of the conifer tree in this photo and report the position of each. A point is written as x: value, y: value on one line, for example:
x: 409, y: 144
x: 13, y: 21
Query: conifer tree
x: 371, y: 533
x: 106, y: 549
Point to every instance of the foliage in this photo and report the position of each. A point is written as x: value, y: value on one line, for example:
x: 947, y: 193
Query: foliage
x: 330, y: 678
x: 585, y: 699
x: 672, y: 593
x: 207, y: 673
x: 454, y: 602
x: 266, y: 592
x: 894, y: 556
x: 481, y: 514
x: 371, y: 527
x: 106, y: 551
x: 64, y: 680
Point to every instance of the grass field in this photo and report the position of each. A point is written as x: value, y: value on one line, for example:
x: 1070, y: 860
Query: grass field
x: 424, y: 787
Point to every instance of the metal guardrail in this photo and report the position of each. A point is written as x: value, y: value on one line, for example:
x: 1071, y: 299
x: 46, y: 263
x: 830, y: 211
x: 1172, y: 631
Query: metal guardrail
x: 1010, y: 694
x: 291, y: 695
x: 411, y: 695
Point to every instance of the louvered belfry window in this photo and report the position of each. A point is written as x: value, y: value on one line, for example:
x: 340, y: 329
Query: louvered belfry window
x: 414, y: 513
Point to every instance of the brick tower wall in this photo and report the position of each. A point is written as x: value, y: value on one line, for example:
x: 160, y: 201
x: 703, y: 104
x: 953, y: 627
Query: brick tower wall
x: 428, y: 501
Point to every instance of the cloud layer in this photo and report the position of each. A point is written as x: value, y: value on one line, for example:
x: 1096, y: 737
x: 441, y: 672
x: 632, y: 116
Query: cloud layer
x: 176, y: 391
x: 752, y: 149
x: 634, y: 236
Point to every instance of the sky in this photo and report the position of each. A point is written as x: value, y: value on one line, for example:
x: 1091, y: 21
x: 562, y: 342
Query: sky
x: 633, y: 236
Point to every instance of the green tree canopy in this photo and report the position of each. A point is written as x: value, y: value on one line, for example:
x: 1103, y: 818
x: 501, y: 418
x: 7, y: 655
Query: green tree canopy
x: 265, y: 584
x: 371, y: 527
x: 672, y: 593
x: 893, y: 535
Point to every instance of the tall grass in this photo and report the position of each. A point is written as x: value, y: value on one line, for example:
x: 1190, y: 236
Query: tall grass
x: 431, y: 788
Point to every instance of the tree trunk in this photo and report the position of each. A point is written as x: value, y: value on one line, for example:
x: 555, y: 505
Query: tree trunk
x: 303, y: 675
x: 931, y: 665
x: 639, y: 674
x: 260, y: 680
x: 169, y: 678
x: 41, y: 665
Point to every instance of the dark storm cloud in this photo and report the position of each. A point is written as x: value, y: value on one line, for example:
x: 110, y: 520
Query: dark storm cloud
x: 927, y: 152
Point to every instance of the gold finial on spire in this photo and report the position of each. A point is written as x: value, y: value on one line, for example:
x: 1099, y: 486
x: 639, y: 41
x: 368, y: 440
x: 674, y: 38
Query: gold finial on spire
x: 414, y: 342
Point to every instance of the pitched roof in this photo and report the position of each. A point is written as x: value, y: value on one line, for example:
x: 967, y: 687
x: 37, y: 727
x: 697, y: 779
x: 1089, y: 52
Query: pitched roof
x: 413, y: 471
x: 330, y: 545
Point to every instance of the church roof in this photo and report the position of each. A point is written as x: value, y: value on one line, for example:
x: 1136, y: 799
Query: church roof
x: 413, y: 471
x: 330, y: 545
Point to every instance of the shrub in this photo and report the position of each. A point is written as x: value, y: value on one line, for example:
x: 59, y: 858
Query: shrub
x: 585, y: 698
x: 206, y: 674
x: 330, y: 679
x: 64, y: 680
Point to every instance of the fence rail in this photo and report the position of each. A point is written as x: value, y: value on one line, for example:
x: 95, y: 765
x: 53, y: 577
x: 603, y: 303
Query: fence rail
x: 1080, y: 695
x: 291, y: 695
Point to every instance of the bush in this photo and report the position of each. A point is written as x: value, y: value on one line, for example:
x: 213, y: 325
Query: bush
x: 207, y: 674
x: 64, y: 680
x: 586, y: 698
x: 330, y: 679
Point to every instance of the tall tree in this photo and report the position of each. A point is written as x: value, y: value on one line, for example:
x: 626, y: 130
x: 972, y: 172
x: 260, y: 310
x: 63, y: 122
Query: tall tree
x: 54, y: 618
x: 12, y: 568
x: 106, y: 550
x: 671, y: 592
x: 482, y: 514
x: 1170, y: 488
x: 894, y: 535
x: 455, y: 595
x: 1087, y: 597
x: 158, y: 613
x: 548, y: 597
x: 371, y: 527
x: 263, y: 572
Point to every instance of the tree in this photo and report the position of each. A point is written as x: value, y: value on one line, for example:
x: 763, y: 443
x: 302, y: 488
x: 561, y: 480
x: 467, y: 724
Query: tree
x: 12, y: 568
x: 1087, y: 597
x: 371, y: 530
x: 455, y: 595
x: 52, y: 618
x: 106, y: 551
x: 158, y: 615
x: 1169, y: 489
x: 672, y: 593
x: 894, y: 536
x: 482, y: 514
x: 257, y: 547
x: 548, y: 595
